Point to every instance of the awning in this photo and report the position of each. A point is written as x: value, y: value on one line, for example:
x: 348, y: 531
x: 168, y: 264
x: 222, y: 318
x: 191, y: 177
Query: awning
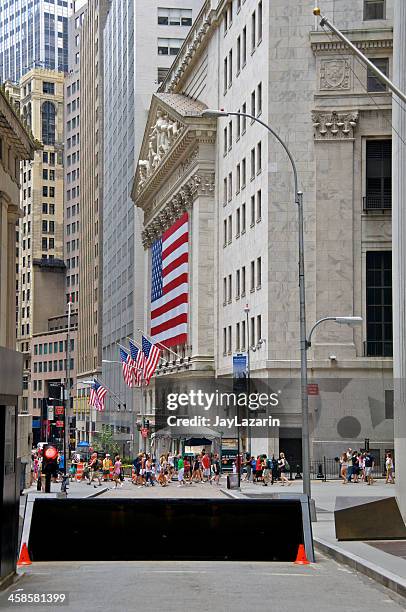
x: 186, y: 434
x: 83, y: 444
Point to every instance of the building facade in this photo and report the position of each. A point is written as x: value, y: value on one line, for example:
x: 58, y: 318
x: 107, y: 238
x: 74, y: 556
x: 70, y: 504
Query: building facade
x: 72, y: 157
x: 271, y: 61
x: 16, y: 145
x: 141, y: 40
x: 33, y: 34
x: 41, y: 270
x: 91, y: 193
x: 49, y: 355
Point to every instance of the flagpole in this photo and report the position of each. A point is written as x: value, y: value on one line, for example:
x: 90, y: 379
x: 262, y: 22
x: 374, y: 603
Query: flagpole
x: 140, y: 347
x: 160, y: 343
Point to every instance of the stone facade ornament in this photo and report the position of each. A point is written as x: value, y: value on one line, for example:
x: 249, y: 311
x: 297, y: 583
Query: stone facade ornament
x: 180, y: 203
x: 335, y: 74
x: 334, y: 125
x: 163, y: 135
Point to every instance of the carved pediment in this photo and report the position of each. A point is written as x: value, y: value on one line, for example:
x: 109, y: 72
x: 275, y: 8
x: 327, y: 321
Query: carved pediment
x: 163, y: 131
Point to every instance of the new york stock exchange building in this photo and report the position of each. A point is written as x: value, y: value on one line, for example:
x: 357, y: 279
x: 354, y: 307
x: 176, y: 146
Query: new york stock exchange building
x: 220, y: 233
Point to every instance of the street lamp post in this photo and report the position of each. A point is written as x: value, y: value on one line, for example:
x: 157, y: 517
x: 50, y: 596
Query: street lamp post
x: 302, y: 297
x: 247, y: 313
x: 214, y: 113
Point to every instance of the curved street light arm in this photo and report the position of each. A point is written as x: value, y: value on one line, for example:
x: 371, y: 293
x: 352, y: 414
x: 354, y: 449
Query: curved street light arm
x: 309, y: 339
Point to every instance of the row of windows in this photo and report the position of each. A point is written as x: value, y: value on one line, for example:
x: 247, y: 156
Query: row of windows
x: 72, y: 245
x: 48, y: 157
x: 73, y: 141
x: 73, y: 176
x: 241, y: 174
x: 72, y: 210
x: 47, y: 243
x: 53, y: 347
x: 72, y: 106
x: 73, y: 123
x: 48, y: 175
x: 240, y: 281
x: 72, y: 263
x: 241, y: 51
x: 72, y: 159
x: 48, y: 192
x: 169, y: 46
x: 174, y: 16
x: 72, y: 280
x: 48, y: 209
x: 72, y: 227
x: 72, y: 89
x: 49, y: 366
x: 72, y: 193
x: 241, y: 339
x: 241, y: 219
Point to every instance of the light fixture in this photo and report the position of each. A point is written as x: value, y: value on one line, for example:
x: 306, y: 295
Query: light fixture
x: 214, y: 113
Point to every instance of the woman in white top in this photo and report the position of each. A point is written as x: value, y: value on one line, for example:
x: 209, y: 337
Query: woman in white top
x: 344, y: 466
x: 389, y: 469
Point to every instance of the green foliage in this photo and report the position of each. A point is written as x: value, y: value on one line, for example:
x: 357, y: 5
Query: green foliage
x: 104, y: 442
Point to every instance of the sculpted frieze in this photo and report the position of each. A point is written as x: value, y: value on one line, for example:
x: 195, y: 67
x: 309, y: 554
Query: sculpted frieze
x: 181, y: 202
x: 164, y: 133
x: 333, y: 125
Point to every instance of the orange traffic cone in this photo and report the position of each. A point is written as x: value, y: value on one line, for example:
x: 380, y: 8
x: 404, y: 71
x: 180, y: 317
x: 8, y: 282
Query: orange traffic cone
x: 301, y: 558
x: 24, y: 556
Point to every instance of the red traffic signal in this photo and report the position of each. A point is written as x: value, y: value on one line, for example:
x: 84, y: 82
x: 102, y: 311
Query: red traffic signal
x: 51, y: 452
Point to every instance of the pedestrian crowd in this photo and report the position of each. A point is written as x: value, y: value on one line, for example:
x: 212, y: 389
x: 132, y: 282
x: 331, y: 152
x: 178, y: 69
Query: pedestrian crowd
x: 357, y: 466
x: 265, y: 469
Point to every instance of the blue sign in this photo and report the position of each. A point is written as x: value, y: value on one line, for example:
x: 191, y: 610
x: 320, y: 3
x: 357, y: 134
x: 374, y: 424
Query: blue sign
x: 240, y: 365
x: 36, y: 422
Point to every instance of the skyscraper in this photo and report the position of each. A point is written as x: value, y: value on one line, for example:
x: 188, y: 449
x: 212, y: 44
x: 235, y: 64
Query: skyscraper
x: 33, y: 34
x: 91, y: 190
x: 141, y: 40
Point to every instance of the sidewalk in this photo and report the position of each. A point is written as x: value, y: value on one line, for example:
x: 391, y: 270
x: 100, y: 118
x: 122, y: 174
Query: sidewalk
x: 383, y: 561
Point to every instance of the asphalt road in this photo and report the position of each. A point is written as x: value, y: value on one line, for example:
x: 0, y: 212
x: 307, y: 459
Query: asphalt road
x: 196, y: 587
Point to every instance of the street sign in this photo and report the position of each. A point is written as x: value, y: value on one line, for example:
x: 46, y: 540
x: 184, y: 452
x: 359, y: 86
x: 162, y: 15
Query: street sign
x: 59, y: 423
x: 59, y: 410
x: 240, y: 365
x: 50, y: 413
x: 144, y: 432
x: 312, y: 389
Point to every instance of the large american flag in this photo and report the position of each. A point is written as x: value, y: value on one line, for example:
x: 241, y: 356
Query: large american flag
x: 138, y: 359
x: 128, y: 366
x: 97, y: 395
x: 169, y: 285
x: 151, y: 355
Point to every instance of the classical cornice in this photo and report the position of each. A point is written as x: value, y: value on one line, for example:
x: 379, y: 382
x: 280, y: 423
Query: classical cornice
x: 179, y: 203
x: 334, y: 125
x: 366, y: 40
x: 196, y: 40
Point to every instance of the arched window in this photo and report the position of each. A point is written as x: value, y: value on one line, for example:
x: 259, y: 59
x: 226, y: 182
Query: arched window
x: 48, y: 123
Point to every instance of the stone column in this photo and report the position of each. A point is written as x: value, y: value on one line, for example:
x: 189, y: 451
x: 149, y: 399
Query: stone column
x: 399, y: 252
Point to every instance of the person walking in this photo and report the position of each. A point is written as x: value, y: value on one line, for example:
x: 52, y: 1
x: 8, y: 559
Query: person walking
x: 107, y: 464
x: 389, y: 469
x: 117, y: 472
x: 94, y: 465
x: 349, y: 465
x: 181, y: 471
x: 206, y: 464
x: 369, y: 464
x: 216, y: 470
x: 284, y: 467
x: 344, y: 467
x: 248, y: 468
x: 265, y: 471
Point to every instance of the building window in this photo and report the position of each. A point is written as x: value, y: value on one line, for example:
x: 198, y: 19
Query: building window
x: 48, y: 88
x: 237, y: 284
x: 243, y: 218
x: 238, y: 55
x: 244, y: 47
x: 259, y: 328
x: 378, y: 192
x: 253, y: 32
x: 388, y: 404
x: 259, y: 22
x: 224, y: 340
x: 243, y: 279
x: 259, y: 205
x: 252, y: 164
x: 48, y: 123
x: 374, y: 9
x: 237, y: 337
x: 252, y: 276
x: 174, y: 16
x: 169, y: 46
x: 225, y: 74
x: 243, y: 173
x: 379, y: 303
x: 259, y: 272
x: 259, y: 157
x: 259, y: 99
x: 374, y: 84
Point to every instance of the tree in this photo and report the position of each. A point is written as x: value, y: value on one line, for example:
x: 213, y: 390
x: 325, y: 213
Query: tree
x: 104, y: 441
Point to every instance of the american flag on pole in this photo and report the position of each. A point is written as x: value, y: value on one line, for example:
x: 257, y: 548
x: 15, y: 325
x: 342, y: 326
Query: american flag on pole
x: 138, y: 359
x: 127, y: 364
x: 97, y: 395
x: 169, y: 285
x: 151, y: 355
